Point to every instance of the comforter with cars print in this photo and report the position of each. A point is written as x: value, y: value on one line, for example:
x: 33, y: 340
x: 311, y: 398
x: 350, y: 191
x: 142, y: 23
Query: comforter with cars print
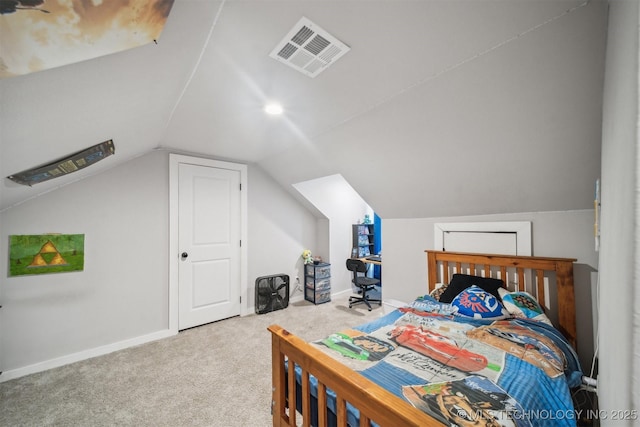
x: 463, y: 371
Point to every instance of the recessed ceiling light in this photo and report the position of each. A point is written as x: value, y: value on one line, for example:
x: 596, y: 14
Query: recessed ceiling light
x: 273, y: 109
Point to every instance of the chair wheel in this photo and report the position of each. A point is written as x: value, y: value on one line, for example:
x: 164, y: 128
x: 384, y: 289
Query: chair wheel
x: 369, y: 308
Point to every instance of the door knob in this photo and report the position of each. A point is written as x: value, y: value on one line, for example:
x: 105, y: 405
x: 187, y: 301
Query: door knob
x: 184, y: 255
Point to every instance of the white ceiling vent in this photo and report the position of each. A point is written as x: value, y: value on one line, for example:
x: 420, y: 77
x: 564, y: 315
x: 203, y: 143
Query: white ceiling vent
x: 308, y: 48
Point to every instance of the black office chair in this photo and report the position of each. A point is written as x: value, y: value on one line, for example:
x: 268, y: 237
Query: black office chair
x: 365, y: 284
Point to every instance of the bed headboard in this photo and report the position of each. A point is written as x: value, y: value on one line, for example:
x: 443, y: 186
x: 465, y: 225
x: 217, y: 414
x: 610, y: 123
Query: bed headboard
x: 441, y: 265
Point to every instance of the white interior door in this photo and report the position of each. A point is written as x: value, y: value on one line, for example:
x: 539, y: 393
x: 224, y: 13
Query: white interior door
x: 209, y: 244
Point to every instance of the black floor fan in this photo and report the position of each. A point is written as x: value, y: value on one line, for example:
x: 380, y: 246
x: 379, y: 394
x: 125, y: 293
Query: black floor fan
x: 272, y: 293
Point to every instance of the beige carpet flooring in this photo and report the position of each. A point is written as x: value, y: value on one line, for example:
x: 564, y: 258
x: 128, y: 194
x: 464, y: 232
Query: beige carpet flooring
x: 214, y: 375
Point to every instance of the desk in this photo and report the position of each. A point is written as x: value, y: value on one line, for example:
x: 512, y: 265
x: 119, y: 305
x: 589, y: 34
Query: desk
x: 377, y: 272
x: 366, y: 260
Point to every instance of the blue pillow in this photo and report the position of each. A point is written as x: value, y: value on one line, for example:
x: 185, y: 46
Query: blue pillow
x: 460, y: 282
x: 479, y: 304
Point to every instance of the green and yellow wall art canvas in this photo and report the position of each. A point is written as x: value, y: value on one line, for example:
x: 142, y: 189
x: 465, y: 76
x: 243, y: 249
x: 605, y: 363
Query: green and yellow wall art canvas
x: 45, y: 253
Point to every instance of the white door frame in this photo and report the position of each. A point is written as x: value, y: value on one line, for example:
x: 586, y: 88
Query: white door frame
x: 521, y: 228
x: 174, y: 250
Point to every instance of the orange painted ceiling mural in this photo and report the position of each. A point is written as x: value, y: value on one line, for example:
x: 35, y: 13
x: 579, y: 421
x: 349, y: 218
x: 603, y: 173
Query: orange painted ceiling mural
x: 37, y: 35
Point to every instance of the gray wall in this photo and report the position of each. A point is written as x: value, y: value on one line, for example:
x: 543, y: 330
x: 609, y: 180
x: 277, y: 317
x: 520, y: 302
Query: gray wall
x: 566, y: 234
x: 121, y: 297
x: 619, y: 378
x: 342, y: 207
x: 280, y: 228
x: 122, y: 292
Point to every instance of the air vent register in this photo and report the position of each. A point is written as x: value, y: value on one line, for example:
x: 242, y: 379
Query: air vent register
x: 308, y: 48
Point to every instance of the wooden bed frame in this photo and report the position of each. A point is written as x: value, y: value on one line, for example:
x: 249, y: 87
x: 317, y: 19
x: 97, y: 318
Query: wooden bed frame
x: 374, y: 402
x: 441, y: 264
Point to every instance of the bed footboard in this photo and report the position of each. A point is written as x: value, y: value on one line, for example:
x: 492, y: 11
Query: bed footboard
x: 372, y: 401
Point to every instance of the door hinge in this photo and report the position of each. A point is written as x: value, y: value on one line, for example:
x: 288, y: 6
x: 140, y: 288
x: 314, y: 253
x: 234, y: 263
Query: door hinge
x: 240, y: 299
x: 240, y: 243
x: 240, y: 186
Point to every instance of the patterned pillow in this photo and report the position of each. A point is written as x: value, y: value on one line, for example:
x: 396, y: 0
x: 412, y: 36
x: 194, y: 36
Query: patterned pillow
x: 460, y: 282
x: 477, y: 303
x: 523, y: 305
x: 435, y: 294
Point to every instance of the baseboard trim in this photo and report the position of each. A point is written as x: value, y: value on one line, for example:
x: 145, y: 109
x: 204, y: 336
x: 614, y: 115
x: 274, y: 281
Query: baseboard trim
x: 342, y: 293
x: 298, y: 297
x: 83, y: 355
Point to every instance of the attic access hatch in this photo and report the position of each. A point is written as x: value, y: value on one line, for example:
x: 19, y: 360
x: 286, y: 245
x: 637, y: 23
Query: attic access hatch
x: 308, y: 48
x: 66, y: 165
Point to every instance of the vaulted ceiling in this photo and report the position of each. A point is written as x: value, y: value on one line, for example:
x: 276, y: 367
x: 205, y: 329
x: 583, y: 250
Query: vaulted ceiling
x: 440, y: 108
